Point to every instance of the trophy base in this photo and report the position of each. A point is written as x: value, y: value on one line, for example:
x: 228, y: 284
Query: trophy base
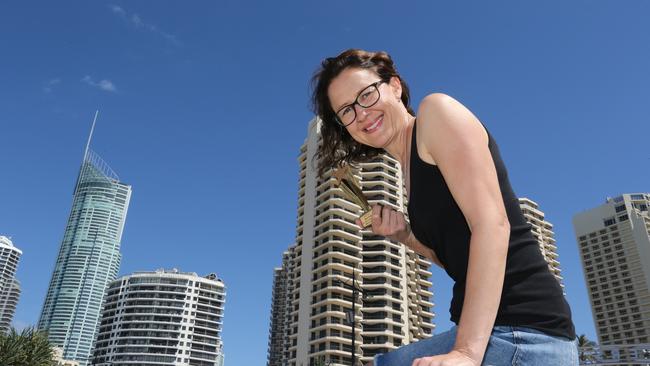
x: 366, y: 219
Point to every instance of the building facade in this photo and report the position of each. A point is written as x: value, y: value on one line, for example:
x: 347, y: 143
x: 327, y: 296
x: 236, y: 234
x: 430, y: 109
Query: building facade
x: 9, y: 285
x: 88, y: 259
x: 59, y: 360
x: 614, y: 243
x: 164, y: 318
x: 543, y: 232
x: 279, y: 308
x: 330, y: 255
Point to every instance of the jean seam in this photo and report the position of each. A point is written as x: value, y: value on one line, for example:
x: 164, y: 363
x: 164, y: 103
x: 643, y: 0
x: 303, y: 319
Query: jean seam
x: 576, y: 358
x: 515, y: 357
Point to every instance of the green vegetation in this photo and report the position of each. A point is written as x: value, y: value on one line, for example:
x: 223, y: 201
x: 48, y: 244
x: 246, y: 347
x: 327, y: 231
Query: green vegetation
x: 26, y: 348
x: 586, y: 348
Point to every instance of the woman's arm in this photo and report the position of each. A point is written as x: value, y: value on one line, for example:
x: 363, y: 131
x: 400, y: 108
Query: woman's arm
x: 455, y: 140
x: 413, y: 243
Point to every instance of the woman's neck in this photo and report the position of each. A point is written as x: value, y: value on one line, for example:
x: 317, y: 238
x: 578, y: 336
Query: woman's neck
x: 400, y: 147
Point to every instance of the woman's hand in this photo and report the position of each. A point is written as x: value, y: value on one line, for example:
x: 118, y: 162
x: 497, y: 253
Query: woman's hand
x: 392, y: 224
x: 389, y: 223
x: 453, y: 358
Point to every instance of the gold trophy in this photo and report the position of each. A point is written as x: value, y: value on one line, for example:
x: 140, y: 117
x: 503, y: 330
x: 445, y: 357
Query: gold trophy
x: 350, y: 187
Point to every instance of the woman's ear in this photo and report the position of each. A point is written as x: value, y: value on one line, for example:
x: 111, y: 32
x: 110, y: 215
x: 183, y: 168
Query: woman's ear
x: 396, y: 86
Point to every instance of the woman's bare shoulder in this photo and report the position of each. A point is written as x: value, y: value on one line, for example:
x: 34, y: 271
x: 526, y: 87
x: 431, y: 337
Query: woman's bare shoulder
x: 442, y: 119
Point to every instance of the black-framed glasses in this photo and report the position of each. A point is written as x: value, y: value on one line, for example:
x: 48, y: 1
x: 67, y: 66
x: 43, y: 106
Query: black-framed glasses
x: 366, y: 98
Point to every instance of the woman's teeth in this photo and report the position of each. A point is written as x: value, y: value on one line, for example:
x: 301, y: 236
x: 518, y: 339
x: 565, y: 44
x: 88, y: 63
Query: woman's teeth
x: 374, y: 125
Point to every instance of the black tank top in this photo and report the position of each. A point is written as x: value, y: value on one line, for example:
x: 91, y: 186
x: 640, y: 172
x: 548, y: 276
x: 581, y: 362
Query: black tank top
x: 531, y: 297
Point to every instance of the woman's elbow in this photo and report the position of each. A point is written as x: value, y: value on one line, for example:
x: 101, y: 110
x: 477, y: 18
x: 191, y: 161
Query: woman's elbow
x: 497, y: 229
x: 504, y: 224
x: 496, y: 224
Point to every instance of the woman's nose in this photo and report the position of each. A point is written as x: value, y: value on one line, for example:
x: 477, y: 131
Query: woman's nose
x: 361, y: 113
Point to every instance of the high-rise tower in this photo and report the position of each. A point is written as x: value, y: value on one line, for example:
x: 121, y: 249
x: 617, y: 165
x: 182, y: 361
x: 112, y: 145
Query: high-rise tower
x: 88, y: 259
x: 313, y: 299
x: 543, y: 232
x: 9, y: 286
x: 614, y: 243
x: 165, y: 317
x: 279, y: 308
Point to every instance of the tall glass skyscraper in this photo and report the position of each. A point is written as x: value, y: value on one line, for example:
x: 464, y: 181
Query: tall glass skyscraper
x: 88, y: 260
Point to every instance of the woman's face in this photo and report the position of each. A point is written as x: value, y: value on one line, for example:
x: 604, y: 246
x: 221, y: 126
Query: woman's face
x: 376, y: 125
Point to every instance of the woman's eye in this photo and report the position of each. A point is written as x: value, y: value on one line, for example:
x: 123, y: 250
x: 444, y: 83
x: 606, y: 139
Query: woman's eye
x: 346, y: 110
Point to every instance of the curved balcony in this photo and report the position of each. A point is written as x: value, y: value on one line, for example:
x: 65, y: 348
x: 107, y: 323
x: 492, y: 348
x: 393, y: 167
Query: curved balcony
x: 339, y: 231
x: 333, y: 251
x: 338, y: 201
x: 425, y: 282
x: 337, y: 220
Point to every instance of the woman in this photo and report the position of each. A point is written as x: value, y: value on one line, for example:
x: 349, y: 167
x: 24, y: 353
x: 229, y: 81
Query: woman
x: 464, y: 216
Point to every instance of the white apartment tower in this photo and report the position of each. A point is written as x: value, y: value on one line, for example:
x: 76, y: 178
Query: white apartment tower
x: 164, y: 317
x: 543, y: 232
x: 9, y: 286
x: 279, y: 308
x: 614, y: 243
x: 393, y: 306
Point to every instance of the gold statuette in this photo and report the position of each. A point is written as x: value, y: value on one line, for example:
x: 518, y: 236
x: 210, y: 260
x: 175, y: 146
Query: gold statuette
x: 350, y: 187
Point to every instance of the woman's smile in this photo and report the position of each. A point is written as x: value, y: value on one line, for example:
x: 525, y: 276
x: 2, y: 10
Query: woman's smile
x: 374, y: 125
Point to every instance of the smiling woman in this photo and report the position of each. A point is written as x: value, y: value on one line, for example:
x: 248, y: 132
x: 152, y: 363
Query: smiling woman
x: 464, y: 216
x: 341, y: 146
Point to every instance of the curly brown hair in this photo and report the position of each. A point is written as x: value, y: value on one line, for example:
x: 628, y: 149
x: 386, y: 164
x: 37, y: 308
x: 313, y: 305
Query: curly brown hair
x: 337, y: 145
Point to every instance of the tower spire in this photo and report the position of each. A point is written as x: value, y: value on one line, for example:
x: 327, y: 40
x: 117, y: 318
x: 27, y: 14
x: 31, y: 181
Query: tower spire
x: 83, y: 161
x: 90, y: 136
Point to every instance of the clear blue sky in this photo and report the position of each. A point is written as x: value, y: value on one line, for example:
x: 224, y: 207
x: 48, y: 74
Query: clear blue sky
x: 204, y: 105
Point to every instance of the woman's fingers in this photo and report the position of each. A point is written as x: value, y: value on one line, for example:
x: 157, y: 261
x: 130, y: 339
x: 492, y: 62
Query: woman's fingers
x: 376, y: 219
x: 388, y: 222
x: 385, y: 221
x: 425, y: 362
x: 400, y: 221
x: 376, y: 214
x: 393, y: 220
x: 419, y: 362
x: 381, y: 220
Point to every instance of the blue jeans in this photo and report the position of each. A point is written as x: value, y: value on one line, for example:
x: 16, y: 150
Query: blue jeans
x: 514, y: 346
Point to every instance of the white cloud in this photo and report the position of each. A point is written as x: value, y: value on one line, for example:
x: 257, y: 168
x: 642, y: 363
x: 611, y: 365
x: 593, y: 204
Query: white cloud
x: 117, y: 10
x: 103, y: 84
x: 136, y: 21
x: 107, y: 85
x: 49, y: 85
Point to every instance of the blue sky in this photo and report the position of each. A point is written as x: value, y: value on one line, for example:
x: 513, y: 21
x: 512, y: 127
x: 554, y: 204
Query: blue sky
x: 204, y: 105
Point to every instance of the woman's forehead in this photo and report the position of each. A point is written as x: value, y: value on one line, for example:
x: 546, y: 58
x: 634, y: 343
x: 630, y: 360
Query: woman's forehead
x: 344, y: 88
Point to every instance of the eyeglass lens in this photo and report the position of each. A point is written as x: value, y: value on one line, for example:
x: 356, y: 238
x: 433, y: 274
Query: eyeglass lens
x: 367, y: 98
